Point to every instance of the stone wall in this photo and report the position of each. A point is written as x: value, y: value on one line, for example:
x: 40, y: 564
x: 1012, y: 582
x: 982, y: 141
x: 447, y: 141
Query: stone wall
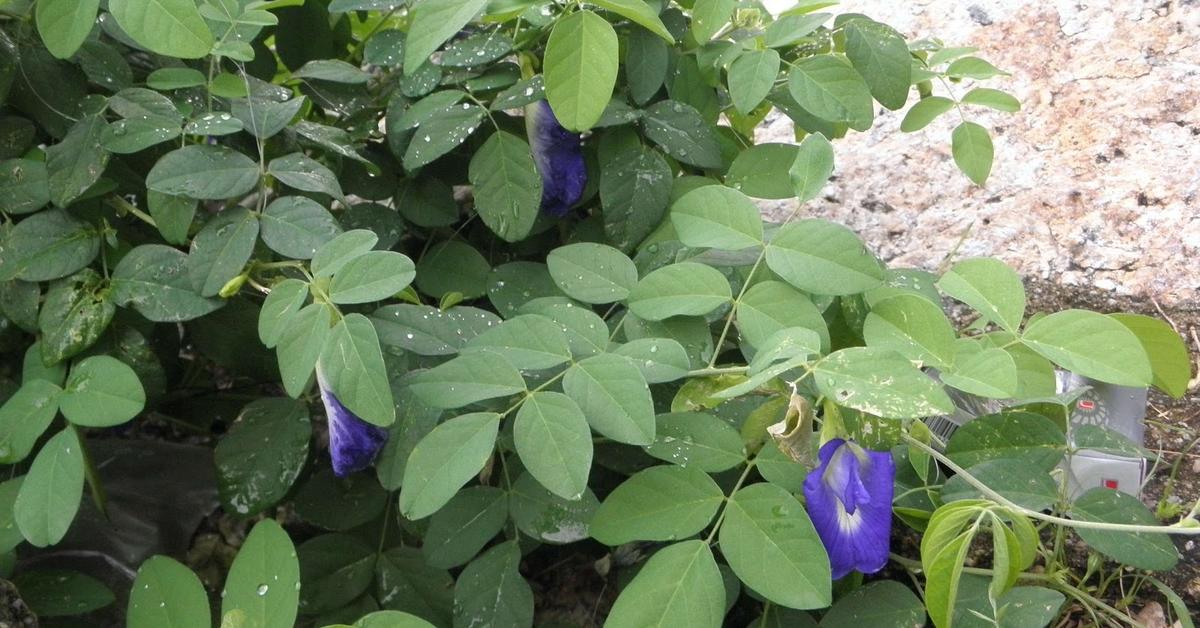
x: 1097, y: 179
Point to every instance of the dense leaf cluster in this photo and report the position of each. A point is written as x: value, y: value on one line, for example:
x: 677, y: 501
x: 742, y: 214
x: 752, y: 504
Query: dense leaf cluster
x: 206, y: 203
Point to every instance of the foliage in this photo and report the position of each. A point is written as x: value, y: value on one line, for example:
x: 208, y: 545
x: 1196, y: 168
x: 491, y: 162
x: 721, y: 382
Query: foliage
x: 267, y: 202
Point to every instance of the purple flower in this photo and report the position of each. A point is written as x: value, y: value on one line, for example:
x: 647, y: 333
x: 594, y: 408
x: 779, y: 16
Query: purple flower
x: 849, y: 497
x: 559, y: 159
x: 353, y: 443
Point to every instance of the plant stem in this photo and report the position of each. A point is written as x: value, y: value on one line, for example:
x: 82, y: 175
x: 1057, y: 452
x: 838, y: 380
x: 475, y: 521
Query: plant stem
x: 725, y: 507
x: 1033, y: 514
x: 733, y: 308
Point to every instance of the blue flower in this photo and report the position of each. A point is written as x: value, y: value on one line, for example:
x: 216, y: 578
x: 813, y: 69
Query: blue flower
x: 849, y: 497
x: 353, y: 443
x: 559, y: 159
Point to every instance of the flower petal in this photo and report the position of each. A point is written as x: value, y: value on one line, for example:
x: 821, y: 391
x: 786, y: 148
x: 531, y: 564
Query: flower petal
x: 353, y: 443
x: 559, y: 159
x: 857, y: 535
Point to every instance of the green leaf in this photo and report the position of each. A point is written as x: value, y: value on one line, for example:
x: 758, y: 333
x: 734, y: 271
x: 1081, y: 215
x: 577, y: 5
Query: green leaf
x: 10, y: 535
x: 474, y: 516
x: 332, y: 70
x: 445, y: 129
x: 709, y: 17
x: 65, y: 24
x: 614, y: 397
x: 263, y: 585
x: 172, y: 215
x: 445, y: 460
x: 1154, y: 552
x: 373, y: 276
x: 683, y: 289
x: 822, y: 257
x: 880, y: 382
x: 426, y: 330
x: 296, y: 226
x: 203, y: 172
x: 153, y: 280
x: 48, y: 245
x: 261, y: 455
x: 679, y: 587
x: 61, y: 592
x: 468, y: 379
x: 49, y: 496
x: 300, y: 345
x: 790, y: 28
x: 592, y: 273
x: 990, y: 287
x: 682, y: 132
x: 133, y: 135
x: 751, y: 77
x: 914, y: 328
x: 351, y: 366
x: 812, y: 168
x: 77, y: 311
x: 221, y: 249
x: 1020, y: 606
x: 771, y: 306
x: 646, y: 61
x: 264, y: 118
x: 992, y: 98
x: 280, y: 306
x: 554, y: 442
x: 830, y: 89
x: 433, y: 22
x: 508, y: 188
x: 24, y: 186
x: 662, y: 503
x: 988, y: 372
x: 334, y: 569
x: 1104, y: 440
x: 880, y: 603
x: 1029, y: 486
x: 772, y: 547
x: 167, y: 79
x: 173, y: 28
x: 305, y: 173
x: 764, y: 171
x: 587, y: 334
x: 476, y: 50
x: 580, y: 69
x: 1170, y: 365
x: 635, y: 188
x: 973, y: 151
x: 407, y: 583
x: 102, y: 391
x: 694, y: 439
x: 514, y: 284
x: 925, y: 111
x: 660, y: 360
x: 548, y: 518
x: 491, y: 592
x: 1032, y: 439
x: 167, y: 594
x: 1092, y: 345
x: 336, y: 253
x: 881, y: 56
x: 973, y: 67
x: 453, y: 266
x: 340, y: 504
x: 76, y: 163
x: 718, y: 217
x: 943, y: 572
x: 638, y: 12
x: 528, y: 341
x: 25, y: 416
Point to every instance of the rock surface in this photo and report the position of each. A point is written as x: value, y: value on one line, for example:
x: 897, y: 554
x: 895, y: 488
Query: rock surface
x: 1096, y: 181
